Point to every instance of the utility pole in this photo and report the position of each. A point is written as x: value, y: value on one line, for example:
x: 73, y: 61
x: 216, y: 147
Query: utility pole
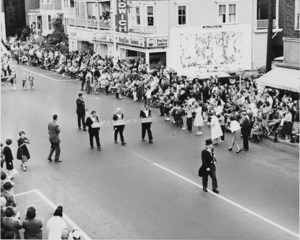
x: 269, y: 41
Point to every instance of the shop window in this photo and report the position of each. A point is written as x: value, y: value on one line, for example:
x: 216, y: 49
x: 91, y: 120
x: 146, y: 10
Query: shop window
x: 72, y: 3
x: 150, y: 16
x: 227, y: 13
x: 138, y: 15
x: 182, y: 15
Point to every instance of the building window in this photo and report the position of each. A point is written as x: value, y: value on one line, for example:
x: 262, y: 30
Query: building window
x: 182, y: 15
x: 71, y: 3
x: 49, y: 22
x: 298, y: 21
x: 80, y: 10
x: 150, y: 16
x: 138, y: 15
x: 227, y: 13
x: 45, y: 1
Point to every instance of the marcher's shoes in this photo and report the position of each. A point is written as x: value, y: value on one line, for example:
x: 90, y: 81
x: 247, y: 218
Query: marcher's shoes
x: 50, y: 160
x: 239, y: 151
x: 230, y: 149
x: 143, y: 139
x: 84, y: 129
x: 244, y: 149
x: 59, y: 160
x: 92, y: 148
x: 216, y: 191
x: 151, y: 141
x: 99, y: 148
x: 275, y: 141
x: 116, y: 142
x: 79, y: 128
x: 123, y: 143
x: 205, y: 189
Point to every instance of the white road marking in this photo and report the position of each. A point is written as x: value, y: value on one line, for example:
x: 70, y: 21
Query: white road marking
x: 227, y: 200
x: 53, y: 206
x: 53, y: 79
x: 23, y: 193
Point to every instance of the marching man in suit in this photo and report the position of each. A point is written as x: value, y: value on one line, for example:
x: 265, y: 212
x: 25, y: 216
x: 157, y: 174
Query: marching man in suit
x: 146, y: 117
x: 94, y: 127
x: 119, y: 125
x: 80, y: 110
x: 208, y: 167
x: 54, y: 130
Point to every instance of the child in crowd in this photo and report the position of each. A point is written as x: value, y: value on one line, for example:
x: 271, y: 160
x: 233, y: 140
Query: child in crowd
x: 31, y: 80
x: 8, y: 157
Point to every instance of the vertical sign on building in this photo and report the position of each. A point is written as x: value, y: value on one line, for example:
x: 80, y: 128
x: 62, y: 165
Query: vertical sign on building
x: 122, y: 16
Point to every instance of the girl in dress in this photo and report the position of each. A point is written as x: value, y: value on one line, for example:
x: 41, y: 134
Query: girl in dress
x: 24, y: 79
x: 23, y: 153
x: 31, y: 80
x: 198, y: 122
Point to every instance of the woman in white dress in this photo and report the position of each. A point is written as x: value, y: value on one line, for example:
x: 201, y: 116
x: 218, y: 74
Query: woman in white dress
x: 56, y: 224
x: 198, y: 122
x: 215, y: 128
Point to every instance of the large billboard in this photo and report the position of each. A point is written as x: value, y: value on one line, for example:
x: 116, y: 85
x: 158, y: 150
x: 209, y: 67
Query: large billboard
x: 122, y: 16
x: 14, y: 15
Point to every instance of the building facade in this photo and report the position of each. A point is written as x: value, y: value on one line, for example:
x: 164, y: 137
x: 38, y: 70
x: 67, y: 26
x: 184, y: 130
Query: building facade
x: 185, y: 35
x: 40, y: 19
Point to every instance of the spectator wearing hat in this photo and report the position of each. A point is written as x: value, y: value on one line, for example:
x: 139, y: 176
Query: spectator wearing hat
x: 54, y: 131
x: 94, y: 128
x: 80, y: 111
x: 32, y: 226
x: 208, y: 167
x: 245, y: 130
x: 11, y: 222
x: 235, y: 129
x: 8, y: 157
x: 56, y: 224
x: 145, y: 115
x: 23, y: 153
x: 119, y: 126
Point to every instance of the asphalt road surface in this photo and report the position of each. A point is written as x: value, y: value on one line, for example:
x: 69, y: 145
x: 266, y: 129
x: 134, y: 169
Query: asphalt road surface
x: 145, y: 191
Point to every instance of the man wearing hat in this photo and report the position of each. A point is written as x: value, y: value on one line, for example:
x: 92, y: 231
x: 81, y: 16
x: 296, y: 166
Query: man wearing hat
x: 119, y: 125
x: 80, y: 110
x: 208, y: 166
x: 245, y: 130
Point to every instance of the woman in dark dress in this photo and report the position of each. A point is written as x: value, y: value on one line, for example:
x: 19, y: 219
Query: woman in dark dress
x: 8, y: 157
x: 23, y: 153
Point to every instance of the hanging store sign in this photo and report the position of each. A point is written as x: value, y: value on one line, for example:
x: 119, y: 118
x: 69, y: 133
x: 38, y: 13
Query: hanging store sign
x: 122, y: 16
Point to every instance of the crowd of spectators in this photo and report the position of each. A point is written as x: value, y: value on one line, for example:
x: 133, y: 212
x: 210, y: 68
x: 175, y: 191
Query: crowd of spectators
x: 175, y: 95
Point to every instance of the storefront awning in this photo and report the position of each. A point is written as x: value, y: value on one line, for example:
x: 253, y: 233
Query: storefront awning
x: 281, y: 78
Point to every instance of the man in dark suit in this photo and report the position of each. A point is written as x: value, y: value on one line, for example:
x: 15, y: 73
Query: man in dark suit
x: 208, y: 167
x: 80, y: 110
x: 94, y: 127
x: 145, y: 115
x: 119, y: 125
x: 245, y: 130
x: 54, y: 130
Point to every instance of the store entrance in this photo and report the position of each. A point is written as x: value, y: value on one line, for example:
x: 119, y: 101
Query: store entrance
x: 157, y: 60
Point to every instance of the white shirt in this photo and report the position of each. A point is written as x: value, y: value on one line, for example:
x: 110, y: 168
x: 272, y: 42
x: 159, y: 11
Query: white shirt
x: 234, y: 126
x: 146, y: 112
x: 55, y: 225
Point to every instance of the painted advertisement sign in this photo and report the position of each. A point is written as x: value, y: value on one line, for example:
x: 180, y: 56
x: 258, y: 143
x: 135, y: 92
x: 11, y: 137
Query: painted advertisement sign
x: 122, y: 16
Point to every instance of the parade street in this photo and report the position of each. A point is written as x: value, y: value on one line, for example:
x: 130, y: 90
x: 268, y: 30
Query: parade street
x: 142, y: 190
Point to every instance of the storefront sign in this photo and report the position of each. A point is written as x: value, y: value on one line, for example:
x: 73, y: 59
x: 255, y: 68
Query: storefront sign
x: 129, y: 40
x: 157, y: 42
x: 213, y: 26
x: 102, y: 37
x: 122, y: 16
x: 84, y: 35
x: 162, y: 42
